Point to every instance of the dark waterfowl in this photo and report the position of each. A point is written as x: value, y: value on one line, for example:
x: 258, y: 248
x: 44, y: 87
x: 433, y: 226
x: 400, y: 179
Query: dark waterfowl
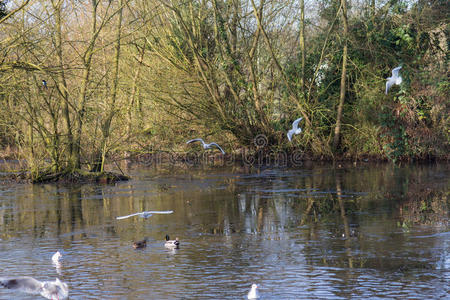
x: 140, y: 244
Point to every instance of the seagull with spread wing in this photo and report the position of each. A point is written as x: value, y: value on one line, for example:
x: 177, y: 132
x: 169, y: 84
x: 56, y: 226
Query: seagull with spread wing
x: 146, y: 214
x: 295, y: 129
x: 205, y: 145
x: 394, y: 79
x: 48, y: 289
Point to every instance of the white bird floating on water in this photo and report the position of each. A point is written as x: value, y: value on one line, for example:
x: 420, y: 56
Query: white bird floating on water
x: 48, y: 289
x: 56, y: 263
x: 395, y: 79
x: 253, y: 294
x: 205, y: 145
x: 56, y: 257
x: 146, y: 214
x: 295, y: 129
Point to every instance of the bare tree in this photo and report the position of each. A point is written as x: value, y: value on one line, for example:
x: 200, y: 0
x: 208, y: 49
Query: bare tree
x: 337, y: 129
x: 14, y: 11
x: 98, y: 164
x: 302, y: 45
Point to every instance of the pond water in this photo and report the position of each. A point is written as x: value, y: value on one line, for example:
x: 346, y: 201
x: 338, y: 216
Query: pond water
x: 314, y: 232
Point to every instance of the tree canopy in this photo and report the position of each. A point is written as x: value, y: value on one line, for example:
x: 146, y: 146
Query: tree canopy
x: 131, y: 76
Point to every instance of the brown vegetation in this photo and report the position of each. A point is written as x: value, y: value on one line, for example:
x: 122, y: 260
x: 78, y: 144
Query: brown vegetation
x: 130, y: 76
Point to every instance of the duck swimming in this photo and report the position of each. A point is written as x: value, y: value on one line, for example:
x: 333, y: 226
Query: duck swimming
x: 140, y: 244
x: 174, y: 244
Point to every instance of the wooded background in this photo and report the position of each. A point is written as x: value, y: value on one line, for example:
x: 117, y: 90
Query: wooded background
x: 126, y: 77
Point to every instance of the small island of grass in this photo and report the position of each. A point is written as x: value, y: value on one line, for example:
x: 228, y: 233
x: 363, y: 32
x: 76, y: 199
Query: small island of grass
x: 80, y: 176
x: 76, y: 176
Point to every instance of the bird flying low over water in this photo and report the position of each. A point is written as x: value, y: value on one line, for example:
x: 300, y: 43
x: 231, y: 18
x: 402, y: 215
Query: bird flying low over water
x: 295, y: 129
x: 48, y: 289
x: 205, y: 145
x: 394, y: 79
x: 146, y: 214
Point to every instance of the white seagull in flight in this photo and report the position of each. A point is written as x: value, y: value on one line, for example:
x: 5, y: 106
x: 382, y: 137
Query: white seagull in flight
x: 48, y: 289
x: 395, y: 79
x: 205, y: 145
x: 146, y: 214
x: 295, y: 129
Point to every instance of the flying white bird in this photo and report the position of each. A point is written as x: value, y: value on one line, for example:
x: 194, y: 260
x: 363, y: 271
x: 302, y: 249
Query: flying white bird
x: 295, y: 129
x: 253, y: 294
x: 395, y: 79
x: 48, y: 289
x: 146, y: 214
x: 205, y: 145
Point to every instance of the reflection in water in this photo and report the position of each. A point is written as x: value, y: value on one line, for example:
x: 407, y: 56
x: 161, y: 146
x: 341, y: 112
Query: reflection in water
x: 305, y: 233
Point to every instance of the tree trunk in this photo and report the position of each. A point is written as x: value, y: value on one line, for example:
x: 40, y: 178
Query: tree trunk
x: 82, y: 99
x: 133, y: 96
x: 337, y: 129
x: 106, y: 126
x: 62, y: 84
x: 302, y: 45
x: 277, y: 63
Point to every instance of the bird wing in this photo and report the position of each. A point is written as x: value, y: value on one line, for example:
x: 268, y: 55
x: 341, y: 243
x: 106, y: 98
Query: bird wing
x: 132, y: 215
x: 195, y: 140
x: 289, y: 134
x: 395, y: 71
x: 215, y: 144
x: 295, y: 123
x: 146, y: 212
x: 24, y: 283
x: 389, y: 83
x: 55, y: 289
x: 159, y: 211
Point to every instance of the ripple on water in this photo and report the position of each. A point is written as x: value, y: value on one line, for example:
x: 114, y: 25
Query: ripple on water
x: 280, y: 229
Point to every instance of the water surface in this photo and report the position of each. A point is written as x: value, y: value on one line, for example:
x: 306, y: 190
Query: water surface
x: 308, y: 233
